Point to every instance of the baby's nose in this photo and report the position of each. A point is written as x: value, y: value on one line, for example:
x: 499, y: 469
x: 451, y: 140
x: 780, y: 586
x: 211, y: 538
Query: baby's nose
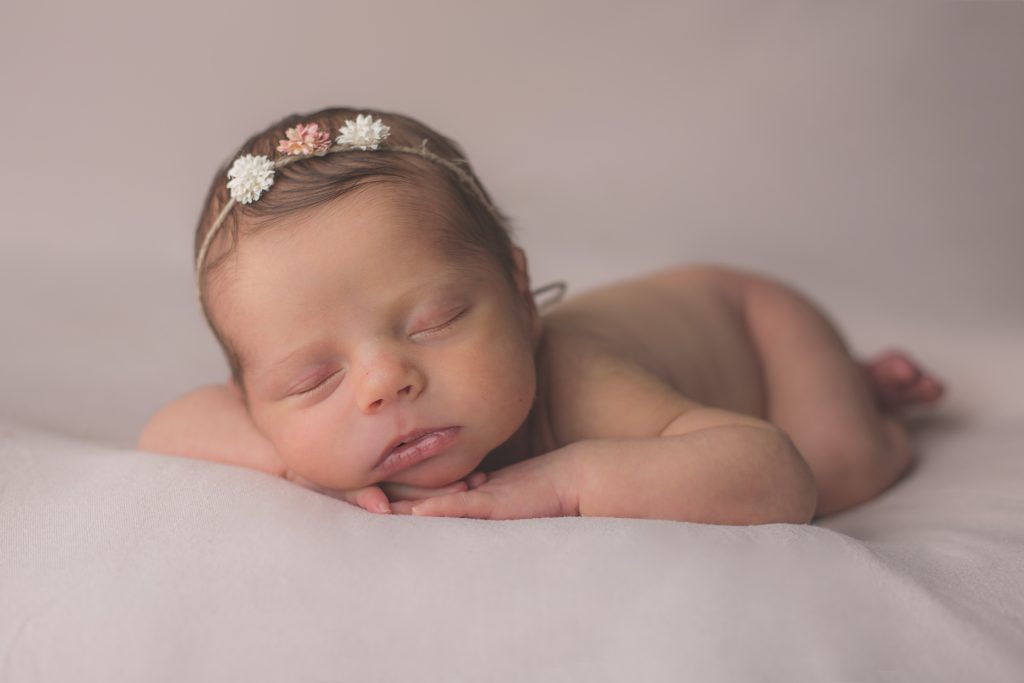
x: 383, y: 385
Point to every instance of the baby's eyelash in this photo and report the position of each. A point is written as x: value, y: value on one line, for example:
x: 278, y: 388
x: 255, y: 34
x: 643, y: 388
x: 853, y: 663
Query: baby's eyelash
x: 438, y: 328
x: 318, y: 385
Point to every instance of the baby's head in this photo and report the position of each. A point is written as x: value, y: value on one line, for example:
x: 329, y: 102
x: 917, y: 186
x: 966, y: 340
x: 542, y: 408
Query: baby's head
x: 366, y: 295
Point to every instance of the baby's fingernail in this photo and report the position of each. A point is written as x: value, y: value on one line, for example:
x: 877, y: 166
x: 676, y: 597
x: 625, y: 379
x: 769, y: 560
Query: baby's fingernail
x: 416, y: 509
x: 477, y: 478
x: 383, y: 507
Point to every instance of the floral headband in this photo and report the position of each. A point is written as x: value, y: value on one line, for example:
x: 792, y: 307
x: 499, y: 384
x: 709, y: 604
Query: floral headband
x: 252, y: 175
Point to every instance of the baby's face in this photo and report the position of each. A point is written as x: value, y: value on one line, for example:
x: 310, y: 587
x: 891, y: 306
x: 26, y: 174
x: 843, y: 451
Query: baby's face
x: 354, y: 330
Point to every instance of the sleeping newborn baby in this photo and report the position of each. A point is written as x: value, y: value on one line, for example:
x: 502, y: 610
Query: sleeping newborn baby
x: 386, y: 348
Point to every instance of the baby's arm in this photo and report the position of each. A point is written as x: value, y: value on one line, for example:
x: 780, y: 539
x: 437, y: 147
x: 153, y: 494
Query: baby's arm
x: 211, y: 423
x: 634, y: 447
x: 642, y: 449
x: 709, y: 465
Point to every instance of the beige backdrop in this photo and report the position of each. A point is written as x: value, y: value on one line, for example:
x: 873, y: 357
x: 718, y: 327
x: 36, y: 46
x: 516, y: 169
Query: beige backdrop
x: 871, y: 153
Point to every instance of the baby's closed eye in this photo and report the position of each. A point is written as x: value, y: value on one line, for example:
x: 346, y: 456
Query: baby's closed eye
x: 446, y: 321
x: 320, y: 383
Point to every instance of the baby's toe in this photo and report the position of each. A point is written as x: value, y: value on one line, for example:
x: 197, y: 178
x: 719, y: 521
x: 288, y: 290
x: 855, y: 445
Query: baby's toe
x: 896, y: 369
x: 927, y: 389
x: 900, y: 382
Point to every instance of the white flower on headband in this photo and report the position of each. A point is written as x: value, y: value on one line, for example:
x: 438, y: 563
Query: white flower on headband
x: 363, y: 133
x: 250, y: 176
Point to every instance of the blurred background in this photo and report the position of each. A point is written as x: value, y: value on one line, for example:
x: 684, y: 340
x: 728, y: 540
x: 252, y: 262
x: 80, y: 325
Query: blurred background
x: 871, y: 154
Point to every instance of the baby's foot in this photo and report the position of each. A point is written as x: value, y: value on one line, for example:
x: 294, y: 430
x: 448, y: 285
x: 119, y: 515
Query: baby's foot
x: 898, y: 382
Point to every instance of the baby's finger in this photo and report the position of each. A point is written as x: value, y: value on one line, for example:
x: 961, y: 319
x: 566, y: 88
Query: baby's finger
x: 479, y: 504
x: 371, y: 498
x: 409, y: 492
x: 404, y: 507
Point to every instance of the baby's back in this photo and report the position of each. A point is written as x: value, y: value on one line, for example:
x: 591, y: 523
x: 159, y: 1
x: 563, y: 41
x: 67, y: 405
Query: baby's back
x: 683, y: 325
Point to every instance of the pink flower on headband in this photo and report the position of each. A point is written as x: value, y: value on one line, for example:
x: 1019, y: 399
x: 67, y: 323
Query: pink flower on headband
x: 305, y: 140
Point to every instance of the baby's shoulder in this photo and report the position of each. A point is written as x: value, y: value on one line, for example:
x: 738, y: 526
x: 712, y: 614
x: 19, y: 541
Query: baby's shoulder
x: 591, y: 388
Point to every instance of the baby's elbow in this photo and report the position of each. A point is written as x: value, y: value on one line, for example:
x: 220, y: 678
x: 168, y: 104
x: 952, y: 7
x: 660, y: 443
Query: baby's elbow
x: 809, y: 500
x: 795, y: 498
x: 788, y: 509
x: 158, y: 434
x: 169, y: 428
x: 802, y: 504
x: 179, y: 426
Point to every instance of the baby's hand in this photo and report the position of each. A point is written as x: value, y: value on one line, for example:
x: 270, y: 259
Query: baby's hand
x: 543, y: 486
x: 376, y: 498
x: 407, y: 492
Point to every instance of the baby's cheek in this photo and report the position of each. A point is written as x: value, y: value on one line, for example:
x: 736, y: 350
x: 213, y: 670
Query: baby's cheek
x: 511, y: 365
x: 299, y: 443
x: 290, y: 444
x: 322, y: 449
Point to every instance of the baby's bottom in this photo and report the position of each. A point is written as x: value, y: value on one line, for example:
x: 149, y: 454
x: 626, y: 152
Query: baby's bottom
x: 823, y: 398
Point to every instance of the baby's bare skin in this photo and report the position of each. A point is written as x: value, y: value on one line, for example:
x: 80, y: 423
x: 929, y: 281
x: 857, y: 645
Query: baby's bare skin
x: 702, y: 392
x: 686, y: 325
x: 686, y: 329
x: 620, y: 360
x: 691, y: 328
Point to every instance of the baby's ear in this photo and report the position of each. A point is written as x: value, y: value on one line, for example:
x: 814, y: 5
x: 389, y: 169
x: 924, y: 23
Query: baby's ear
x: 523, y: 284
x: 522, y: 271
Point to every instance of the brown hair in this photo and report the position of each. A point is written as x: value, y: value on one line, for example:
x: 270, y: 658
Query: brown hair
x: 475, y: 227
